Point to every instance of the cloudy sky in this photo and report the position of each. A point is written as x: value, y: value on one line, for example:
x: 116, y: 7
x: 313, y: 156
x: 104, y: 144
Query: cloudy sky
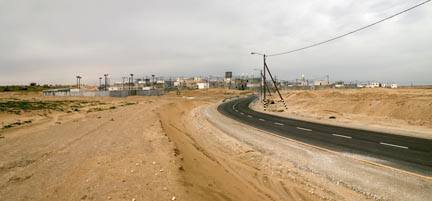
x: 51, y: 41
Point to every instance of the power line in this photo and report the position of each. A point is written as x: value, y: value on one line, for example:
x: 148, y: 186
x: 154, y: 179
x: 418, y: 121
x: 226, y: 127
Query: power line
x: 351, y: 32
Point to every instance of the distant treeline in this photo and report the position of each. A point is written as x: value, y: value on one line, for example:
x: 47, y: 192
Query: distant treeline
x: 31, y: 88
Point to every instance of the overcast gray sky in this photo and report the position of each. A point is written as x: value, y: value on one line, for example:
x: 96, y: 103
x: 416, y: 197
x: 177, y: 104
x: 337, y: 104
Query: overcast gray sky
x: 51, y: 41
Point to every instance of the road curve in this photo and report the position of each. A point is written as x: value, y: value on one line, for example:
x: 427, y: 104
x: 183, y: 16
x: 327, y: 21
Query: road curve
x: 403, y: 152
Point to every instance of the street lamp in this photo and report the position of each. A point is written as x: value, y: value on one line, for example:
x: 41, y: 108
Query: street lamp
x: 78, y: 81
x: 153, y: 81
x: 265, y: 70
x: 131, y: 81
x: 106, y: 82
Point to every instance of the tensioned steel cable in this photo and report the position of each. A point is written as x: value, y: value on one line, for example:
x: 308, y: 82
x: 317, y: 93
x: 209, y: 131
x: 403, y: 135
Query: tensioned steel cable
x: 351, y: 32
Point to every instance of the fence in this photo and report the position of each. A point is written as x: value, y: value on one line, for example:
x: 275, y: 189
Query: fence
x: 119, y: 93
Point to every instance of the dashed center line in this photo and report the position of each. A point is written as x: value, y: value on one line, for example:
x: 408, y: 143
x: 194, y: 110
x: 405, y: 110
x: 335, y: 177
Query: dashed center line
x: 394, y: 145
x: 261, y: 119
x: 280, y: 124
x: 241, y: 113
x: 343, y: 136
x: 233, y: 107
x: 236, y: 110
x: 305, y: 129
x: 249, y: 116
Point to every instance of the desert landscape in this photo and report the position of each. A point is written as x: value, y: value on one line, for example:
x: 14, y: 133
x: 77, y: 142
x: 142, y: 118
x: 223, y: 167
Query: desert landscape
x: 179, y: 147
x: 215, y: 100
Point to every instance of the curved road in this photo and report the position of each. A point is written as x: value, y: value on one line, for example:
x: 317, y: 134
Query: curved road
x: 403, y: 152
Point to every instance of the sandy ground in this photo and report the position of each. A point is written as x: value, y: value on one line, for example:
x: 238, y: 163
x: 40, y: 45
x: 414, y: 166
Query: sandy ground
x: 118, y: 154
x: 400, y: 111
x: 179, y: 148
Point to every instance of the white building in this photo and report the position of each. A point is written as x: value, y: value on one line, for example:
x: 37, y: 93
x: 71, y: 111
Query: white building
x: 373, y: 85
x: 321, y: 83
x: 113, y: 89
x: 253, y: 85
x: 203, y: 85
x: 339, y: 84
x: 394, y: 86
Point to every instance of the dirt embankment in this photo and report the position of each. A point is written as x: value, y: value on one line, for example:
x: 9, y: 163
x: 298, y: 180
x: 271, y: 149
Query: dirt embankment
x: 405, y: 109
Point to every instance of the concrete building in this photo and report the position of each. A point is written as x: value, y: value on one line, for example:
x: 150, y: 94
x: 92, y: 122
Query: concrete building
x: 373, y: 85
x: 114, y: 88
x: 253, y: 85
x: 203, y: 85
x: 321, y: 83
x: 339, y: 84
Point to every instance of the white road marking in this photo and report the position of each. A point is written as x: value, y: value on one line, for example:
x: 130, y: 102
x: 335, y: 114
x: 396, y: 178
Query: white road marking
x: 305, y: 129
x: 394, y: 145
x: 249, y: 116
x: 241, y: 113
x: 236, y: 110
x: 344, y: 136
x: 234, y: 106
x: 277, y: 123
x: 261, y: 119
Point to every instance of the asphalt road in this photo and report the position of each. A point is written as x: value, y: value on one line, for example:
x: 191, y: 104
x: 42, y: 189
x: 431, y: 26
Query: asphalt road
x: 403, y: 152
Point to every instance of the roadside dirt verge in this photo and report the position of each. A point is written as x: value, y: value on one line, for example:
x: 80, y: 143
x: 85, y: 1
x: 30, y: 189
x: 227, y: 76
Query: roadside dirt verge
x: 222, y: 160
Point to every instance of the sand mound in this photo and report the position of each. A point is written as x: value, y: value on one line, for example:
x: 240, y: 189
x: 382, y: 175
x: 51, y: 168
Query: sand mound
x: 413, y: 106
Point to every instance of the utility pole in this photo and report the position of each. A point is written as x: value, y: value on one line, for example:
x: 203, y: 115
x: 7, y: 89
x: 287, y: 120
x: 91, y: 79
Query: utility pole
x: 132, y: 81
x: 264, y: 77
x: 261, y: 83
x: 153, y: 81
x: 106, y: 81
x: 266, y: 69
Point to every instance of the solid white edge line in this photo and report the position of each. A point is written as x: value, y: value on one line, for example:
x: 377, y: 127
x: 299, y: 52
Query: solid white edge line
x: 394, y: 145
x: 343, y: 136
x: 277, y: 123
x: 305, y: 129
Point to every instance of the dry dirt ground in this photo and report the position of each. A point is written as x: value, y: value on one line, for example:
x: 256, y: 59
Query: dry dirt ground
x: 173, y: 148
x: 401, y: 111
